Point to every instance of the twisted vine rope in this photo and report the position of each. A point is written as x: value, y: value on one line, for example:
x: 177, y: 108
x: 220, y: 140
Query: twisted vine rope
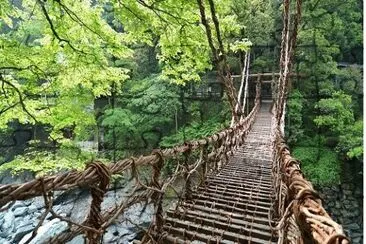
x: 306, y: 214
x: 95, y: 219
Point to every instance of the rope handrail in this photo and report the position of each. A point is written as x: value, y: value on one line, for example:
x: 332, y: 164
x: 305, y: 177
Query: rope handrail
x: 304, y: 203
x: 88, y: 176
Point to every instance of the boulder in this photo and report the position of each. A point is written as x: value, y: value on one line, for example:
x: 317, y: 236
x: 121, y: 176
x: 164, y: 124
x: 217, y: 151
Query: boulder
x: 20, y: 211
x: 21, y: 232
x: 4, y: 241
x: 353, y: 227
x: 23, y: 221
x: 8, y: 225
x: 2, y: 220
x: 46, y: 231
x: 64, y: 209
x: 38, y: 202
x: 77, y: 240
x: 32, y: 209
x: 18, y: 204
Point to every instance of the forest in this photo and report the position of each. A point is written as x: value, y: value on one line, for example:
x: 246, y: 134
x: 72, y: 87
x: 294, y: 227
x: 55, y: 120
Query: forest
x: 108, y: 79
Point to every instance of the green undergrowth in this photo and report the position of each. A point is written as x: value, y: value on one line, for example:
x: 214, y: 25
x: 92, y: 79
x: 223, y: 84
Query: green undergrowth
x: 46, y: 162
x: 194, y: 131
x: 319, y: 165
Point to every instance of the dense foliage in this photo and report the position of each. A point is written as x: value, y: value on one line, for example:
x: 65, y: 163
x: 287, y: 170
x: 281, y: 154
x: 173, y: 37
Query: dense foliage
x: 325, y: 109
x: 108, y: 79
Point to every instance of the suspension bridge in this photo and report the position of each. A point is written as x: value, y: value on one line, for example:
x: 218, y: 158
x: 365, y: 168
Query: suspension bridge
x: 240, y: 185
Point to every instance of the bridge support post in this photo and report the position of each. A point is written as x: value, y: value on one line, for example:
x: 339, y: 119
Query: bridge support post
x: 157, y: 197
x: 204, y: 158
x: 217, y: 156
x: 95, y: 219
x: 188, y: 187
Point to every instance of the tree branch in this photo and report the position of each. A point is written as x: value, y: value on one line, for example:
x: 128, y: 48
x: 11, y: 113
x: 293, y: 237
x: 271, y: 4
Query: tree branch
x: 54, y: 30
x: 220, y: 60
x: 76, y: 18
x: 21, y: 100
x: 155, y: 10
x: 130, y: 10
x: 217, y: 26
x: 208, y: 30
x: 152, y: 9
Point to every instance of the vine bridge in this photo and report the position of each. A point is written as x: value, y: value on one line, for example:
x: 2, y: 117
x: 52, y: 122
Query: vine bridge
x: 240, y: 185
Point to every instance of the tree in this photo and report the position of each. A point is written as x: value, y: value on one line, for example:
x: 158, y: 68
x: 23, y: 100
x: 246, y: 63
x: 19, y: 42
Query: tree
x: 330, y: 34
x: 294, y: 115
x: 54, y: 54
x: 338, y: 119
x: 144, y: 112
x: 185, y: 47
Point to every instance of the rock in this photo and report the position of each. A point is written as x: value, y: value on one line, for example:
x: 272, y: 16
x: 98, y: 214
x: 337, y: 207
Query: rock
x: 353, y: 226
x: 358, y: 192
x: 8, y: 225
x: 109, y: 201
x: 355, y: 204
x: 46, y: 231
x: 18, y: 204
x: 346, y: 221
x: 22, y: 221
x: 22, y: 231
x: 32, y: 209
x: 77, y: 240
x: 37, y: 215
x: 48, y: 216
x: 345, y: 186
x: 4, y: 241
x: 127, y: 238
x: 2, y: 220
x: 28, y: 202
x: 348, y: 206
x: 68, y: 196
x: 334, y: 188
x: 346, y: 214
x: 337, y: 204
x: 356, y: 235
x: 346, y: 202
x: 80, y: 208
x: 38, y: 202
x: 64, y: 209
x: 357, y: 240
x: 6, y: 177
x: 136, y: 216
x: 20, y: 211
x: 110, y: 236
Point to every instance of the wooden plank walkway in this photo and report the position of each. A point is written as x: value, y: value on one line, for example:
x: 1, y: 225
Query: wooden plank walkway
x: 233, y: 205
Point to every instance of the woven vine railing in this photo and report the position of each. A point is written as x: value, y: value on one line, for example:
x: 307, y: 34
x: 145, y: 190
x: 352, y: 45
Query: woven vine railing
x: 191, y: 161
x: 304, y: 219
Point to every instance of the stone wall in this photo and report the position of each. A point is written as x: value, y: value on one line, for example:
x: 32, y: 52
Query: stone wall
x: 344, y: 202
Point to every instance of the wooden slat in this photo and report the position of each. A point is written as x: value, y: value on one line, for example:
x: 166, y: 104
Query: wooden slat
x: 222, y: 234
x: 233, y: 214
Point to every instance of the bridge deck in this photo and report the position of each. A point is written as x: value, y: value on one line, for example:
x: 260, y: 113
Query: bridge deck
x: 233, y: 205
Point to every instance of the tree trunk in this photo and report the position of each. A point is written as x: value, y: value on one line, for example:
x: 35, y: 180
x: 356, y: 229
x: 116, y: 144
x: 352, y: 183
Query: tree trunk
x: 219, y: 56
